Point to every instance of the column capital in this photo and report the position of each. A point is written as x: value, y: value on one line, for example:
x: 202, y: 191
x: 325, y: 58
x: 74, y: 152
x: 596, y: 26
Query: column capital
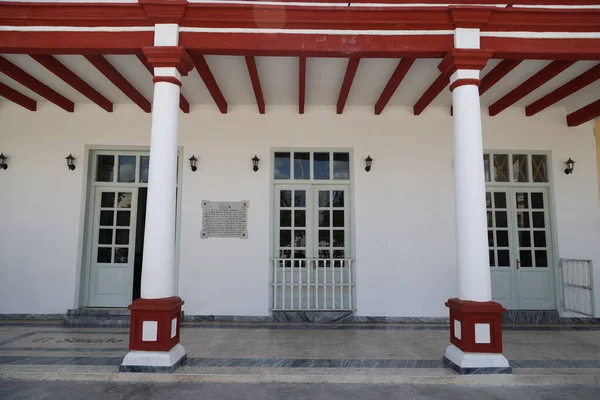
x: 169, y: 57
x: 473, y: 59
x: 164, y: 11
x: 469, y: 17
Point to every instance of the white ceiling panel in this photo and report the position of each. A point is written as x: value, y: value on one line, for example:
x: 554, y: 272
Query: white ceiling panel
x: 324, y: 77
x: 135, y: 72
x: 370, y: 80
x: 231, y: 75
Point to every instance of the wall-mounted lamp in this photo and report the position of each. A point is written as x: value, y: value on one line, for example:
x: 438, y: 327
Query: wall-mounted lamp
x: 255, y: 161
x: 368, y: 163
x: 570, y: 165
x: 70, y: 162
x: 3, y: 164
x: 193, y: 160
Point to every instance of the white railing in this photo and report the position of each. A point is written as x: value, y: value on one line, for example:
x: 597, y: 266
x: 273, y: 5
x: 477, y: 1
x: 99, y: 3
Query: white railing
x: 312, y: 284
x: 578, y: 286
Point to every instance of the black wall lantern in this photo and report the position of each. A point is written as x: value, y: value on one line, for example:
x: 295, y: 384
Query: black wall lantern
x: 3, y: 164
x: 368, y: 163
x: 70, y: 162
x: 570, y: 164
x: 193, y: 160
x: 255, y: 161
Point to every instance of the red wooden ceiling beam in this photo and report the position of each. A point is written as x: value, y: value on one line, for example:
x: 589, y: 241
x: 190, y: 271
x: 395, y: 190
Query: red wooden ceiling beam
x: 34, y: 85
x: 347, y: 84
x: 183, y: 103
x: 253, y: 72
x: 16, y: 97
x: 497, y: 73
x: 531, y: 84
x: 64, y: 73
x: 584, y: 114
x: 301, y: 84
x: 431, y: 93
x: 210, y: 82
x: 395, y: 80
x: 119, y: 81
x: 583, y: 80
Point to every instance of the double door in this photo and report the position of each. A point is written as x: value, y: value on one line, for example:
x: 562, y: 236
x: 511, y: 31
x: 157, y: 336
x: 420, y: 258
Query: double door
x: 520, y: 247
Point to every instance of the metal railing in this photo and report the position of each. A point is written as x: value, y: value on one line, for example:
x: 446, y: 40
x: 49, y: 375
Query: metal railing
x: 578, y: 286
x: 312, y: 284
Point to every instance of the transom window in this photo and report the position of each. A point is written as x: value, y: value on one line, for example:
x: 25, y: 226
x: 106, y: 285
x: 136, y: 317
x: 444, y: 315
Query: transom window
x: 518, y: 167
x: 311, y: 165
x: 122, y: 168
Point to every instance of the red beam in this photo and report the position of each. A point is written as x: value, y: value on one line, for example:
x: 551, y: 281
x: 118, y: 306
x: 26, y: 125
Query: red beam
x: 583, y: 80
x: 119, y: 81
x: 64, y: 73
x: 183, y: 103
x: 531, y: 84
x: 431, y: 93
x: 584, y: 114
x: 210, y: 82
x: 542, y: 49
x: 253, y: 72
x: 301, y: 84
x: 497, y: 73
x: 16, y: 97
x: 395, y: 80
x: 347, y: 84
x: 36, y: 86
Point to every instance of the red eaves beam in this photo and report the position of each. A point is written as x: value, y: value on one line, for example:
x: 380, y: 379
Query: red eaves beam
x: 16, y: 97
x: 347, y: 84
x: 64, y: 73
x: 395, y: 80
x: 209, y: 81
x: 583, y: 80
x: 34, y: 85
x: 253, y: 72
x: 431, y: 93
x: 301, y: 84
x: 183, y: 103
x: 497, y: 73
x: 119, y: 81
x: 584, y: 114
x: 531, y: 84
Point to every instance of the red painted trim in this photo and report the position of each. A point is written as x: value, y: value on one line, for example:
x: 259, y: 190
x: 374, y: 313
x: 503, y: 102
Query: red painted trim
x: 531, y: 84
x: 470, y: 17
x: 464, y: 59
x: 184, y: 105
x: 583, y: 80
x: 542, y: 49
x: 17, y: 98
x: 210, y: 82
x: 253, y: 72
x: 431, y: 93
x: 163, y: 311
x: 464, y: 82
x: 392, y: 85
x: 168, y: 79
x: 164, y: 12
x: 443, y: 3
x: 347, y: 84
x: 64, y: 73
x: 497, y: 73
x: 301, y: 84
x: 584, y: 114
x: 16, y: 73
x: 119, y: 81
x: 169, y: 57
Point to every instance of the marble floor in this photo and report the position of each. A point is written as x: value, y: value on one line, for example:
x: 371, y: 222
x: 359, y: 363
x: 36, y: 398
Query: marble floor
x: 270, y: 348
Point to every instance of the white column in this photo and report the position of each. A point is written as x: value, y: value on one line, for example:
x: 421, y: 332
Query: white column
x: 469, y: 192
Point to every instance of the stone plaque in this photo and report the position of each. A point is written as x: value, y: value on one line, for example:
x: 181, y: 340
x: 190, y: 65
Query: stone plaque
x: 225, y: 219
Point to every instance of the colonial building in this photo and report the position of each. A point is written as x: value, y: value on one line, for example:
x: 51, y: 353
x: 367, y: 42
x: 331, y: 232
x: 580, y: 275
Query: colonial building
x: 300, y: 159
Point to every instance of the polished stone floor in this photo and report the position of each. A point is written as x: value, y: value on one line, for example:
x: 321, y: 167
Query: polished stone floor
x: 250, y: 348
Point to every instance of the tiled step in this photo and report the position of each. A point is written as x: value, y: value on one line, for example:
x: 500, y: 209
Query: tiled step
x: 97, y: 317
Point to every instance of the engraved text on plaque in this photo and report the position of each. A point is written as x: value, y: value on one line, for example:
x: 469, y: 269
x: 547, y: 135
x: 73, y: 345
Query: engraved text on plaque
x: 225, y: 219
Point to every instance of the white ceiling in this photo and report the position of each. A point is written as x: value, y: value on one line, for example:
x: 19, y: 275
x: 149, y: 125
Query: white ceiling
x: 279, y: 81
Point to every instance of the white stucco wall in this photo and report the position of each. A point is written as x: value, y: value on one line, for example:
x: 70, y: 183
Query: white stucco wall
x: 404, y: 211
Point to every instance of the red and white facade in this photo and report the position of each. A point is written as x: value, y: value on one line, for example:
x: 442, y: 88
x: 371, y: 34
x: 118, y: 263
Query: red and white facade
x: 427, y: 89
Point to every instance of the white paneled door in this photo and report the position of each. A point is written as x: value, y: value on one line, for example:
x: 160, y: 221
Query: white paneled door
x: 520, y: 245
x: 113, y: 246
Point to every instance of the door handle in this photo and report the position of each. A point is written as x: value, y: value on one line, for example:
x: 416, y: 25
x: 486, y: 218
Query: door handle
x: 518, y: 264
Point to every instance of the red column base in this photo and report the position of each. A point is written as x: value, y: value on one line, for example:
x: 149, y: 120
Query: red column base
x: 476, y: 327
x: 155, y: 324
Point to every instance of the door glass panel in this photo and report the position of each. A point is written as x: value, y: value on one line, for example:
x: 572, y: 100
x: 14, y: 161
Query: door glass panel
x: 108, y: 200
x: 285, y: 218
x: 300, y: 218
x: 503, y: 258
x: 338, y: 218
x: 324, y: 198
x: 538, y: 219
x: 500, y: 200
x: 321, y: 165
x: 524, y: 239
x: 122, y: 236
x: 299, y: 254
x: 107, y: 218
x: 299, y: 238
x: 501, y: 167
x: 324, y: 218
x: 486, y: 166
x: 523, y: 219
x: 502, y: 238
x: 539, y: 238
x: 300, y: 198
x: 338, y: 238
x: 105, y: 236
x: 301, y: 165
x: 539, y: 168
x: 285, y: 197
x: 121, y: 255
x: 123, y: 218
x: 339, y: 254
x: 285, y: 253
x: 541, y: 258
x: 127, y: 168
x: 324, y: 238
x: 341, y: 166
x: 492, y: 259
x: 282, y: 166
x: 488, y: 200
x: 522, y: 200
x: 338, y: 198
x: 285, y: 238
x: 537, y: 200
x: 520, y: 171
x: 525, y: 258
x: 124, y: 200
x: 501, y: 219
x: 491, y: 238
x: 144, y: 168
x: 104, y: 254
x: 490, y: 220
x: 105, y: 166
